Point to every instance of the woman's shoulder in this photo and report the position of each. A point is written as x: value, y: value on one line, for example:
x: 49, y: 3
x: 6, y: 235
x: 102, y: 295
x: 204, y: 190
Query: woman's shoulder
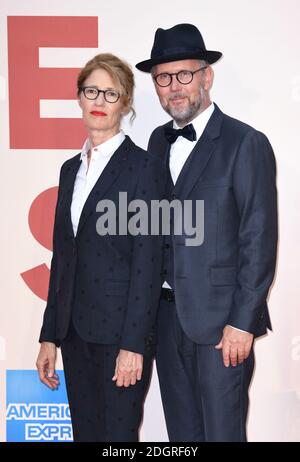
x: 68, y: 165
x: 70, y: 162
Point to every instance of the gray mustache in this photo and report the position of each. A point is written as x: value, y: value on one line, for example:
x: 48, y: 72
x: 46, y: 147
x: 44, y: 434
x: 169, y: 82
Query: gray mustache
x: 177, y: 95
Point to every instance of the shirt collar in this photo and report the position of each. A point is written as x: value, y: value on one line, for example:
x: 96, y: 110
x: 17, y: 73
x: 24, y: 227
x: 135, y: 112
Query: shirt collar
x: 104, y: 149
x: 200, y: 121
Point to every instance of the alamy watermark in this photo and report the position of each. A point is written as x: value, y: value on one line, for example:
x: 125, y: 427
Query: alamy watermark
x: 160, y: 217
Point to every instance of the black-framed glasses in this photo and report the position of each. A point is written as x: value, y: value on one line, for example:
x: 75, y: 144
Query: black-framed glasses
x: 184, y: 77
x: 110, y: 96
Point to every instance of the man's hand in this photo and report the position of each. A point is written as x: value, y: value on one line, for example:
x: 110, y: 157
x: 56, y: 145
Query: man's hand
x: 129, y: 368
x: 236, y: 346
x: 46, y: 365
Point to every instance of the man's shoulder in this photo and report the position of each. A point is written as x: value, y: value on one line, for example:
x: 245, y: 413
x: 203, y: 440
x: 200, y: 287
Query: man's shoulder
x: 143, y: 159
x: 241, y: 133
x: 236, y: 127
x: 157, y: 138
x: 236, y: 124
x: 160, y: 129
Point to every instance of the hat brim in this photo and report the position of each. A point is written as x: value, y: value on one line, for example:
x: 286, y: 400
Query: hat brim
x: 209, y: 56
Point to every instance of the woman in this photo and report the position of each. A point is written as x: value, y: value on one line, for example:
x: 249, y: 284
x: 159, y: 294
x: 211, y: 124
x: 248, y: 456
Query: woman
x: 104, y: 289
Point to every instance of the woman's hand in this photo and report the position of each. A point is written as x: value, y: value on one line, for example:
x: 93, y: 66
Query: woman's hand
x: 45, y: 364
x: 129, y: 368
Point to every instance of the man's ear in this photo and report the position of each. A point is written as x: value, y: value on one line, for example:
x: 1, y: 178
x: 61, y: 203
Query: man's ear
x: 209, y: 78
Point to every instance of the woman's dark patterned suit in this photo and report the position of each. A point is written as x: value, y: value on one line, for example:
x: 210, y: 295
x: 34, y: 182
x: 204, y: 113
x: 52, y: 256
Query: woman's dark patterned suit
x: 103, y: 296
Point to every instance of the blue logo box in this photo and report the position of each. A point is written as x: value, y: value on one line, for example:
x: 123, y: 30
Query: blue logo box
x: 33, y: 411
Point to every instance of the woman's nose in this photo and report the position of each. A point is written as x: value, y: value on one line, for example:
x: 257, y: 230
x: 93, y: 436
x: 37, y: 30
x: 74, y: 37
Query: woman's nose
x: 100, y: 100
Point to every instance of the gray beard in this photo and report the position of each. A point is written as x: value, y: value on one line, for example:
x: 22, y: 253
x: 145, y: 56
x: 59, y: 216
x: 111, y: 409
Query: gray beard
x: 184, y: 117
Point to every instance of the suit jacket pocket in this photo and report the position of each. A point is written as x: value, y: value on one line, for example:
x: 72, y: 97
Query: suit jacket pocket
x: 116, y: 287
x: 223, y: 275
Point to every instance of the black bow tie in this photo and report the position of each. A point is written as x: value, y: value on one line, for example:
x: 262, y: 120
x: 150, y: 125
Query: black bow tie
x: 187, y: 132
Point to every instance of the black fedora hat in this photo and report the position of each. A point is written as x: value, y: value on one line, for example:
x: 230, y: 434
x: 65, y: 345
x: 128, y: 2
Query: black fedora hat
x: 183, y: 41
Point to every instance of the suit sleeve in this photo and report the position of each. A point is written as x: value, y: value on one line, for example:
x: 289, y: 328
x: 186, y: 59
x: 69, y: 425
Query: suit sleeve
x: 146, y: 265
x: 254, y: 184
x: 48, y: 329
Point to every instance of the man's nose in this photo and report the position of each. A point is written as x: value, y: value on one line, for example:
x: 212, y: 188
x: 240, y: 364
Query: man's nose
x: 175, y: 85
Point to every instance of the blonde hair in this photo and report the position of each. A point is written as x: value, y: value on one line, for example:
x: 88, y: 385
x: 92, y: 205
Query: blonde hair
x: 119, y: 70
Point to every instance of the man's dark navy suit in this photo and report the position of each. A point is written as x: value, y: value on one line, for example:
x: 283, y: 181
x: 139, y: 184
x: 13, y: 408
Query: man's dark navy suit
x: 106, y: 288
x: 223, y: 281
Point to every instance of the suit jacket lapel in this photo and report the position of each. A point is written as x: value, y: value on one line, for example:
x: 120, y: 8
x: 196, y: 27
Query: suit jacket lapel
x: 199, y: 157
x: 194, y: 166
x: 109, y: 175
x: 67, y: 194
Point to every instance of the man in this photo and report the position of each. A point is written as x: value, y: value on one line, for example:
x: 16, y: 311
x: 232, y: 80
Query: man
x: 213, y: 301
